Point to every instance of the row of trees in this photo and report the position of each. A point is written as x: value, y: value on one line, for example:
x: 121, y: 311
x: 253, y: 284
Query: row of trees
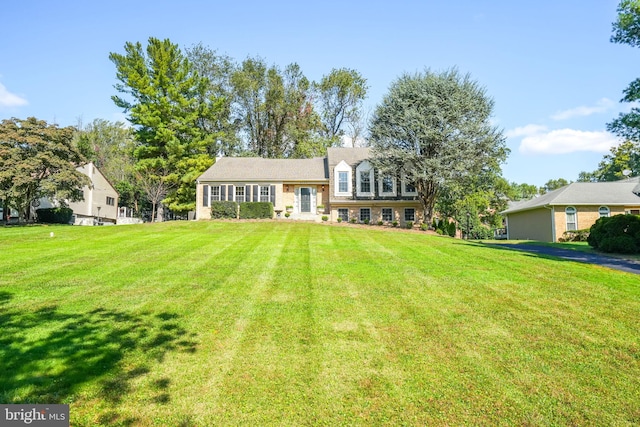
x: 188, y: 107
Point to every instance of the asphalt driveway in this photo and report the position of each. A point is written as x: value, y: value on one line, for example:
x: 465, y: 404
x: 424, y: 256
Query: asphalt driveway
x: 602, y: 260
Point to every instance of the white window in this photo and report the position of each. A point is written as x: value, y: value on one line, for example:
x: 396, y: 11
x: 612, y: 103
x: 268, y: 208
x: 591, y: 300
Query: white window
x: 572, y: 221
x: 264, y: 193
x: 364, y: 179
x: 365, y: 214
x: 408, y: 187
x: 343, y: 214
x: 215, y: 193
x: 342, y: 179
x: 343, y: 182
x: 387, y: 214
x: 409, y: 214
x: 387, y: 185
x: 604, y: 212
x: 240, y: 194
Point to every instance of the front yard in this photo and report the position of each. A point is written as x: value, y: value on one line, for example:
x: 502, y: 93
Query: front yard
x: 284, y: 323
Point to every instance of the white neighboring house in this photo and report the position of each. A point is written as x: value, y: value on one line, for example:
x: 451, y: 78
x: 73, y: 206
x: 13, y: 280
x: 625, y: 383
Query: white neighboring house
x: 100, y: 204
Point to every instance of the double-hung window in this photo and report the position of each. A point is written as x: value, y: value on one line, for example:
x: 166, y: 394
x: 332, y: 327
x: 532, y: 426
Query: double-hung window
x: 572, y: 221
x: 264, y: 193
x: 604, y: 212
x: 365, y: 214
x: 387, y: 214
x: 240, y: 194
x: 343, y: 214
x: 409, y: 214
x: 343, y: 182
x: 215, y: 193
x: 365, y: 181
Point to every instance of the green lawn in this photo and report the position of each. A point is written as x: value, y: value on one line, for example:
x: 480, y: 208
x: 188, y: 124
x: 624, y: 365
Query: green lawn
x: 261, y: 323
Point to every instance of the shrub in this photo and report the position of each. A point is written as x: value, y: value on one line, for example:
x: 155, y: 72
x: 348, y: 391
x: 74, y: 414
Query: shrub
x: 409, y: 224
x: 574, y: 236
x: 325, y: 218
x: 339, y: 219
x: 380, y: 222
x: 424, y: 227
x: 450, y: 229
x: 353, y: 220
x: 439, y: 231
x: 55, y: 215
x: 256, y: 210
x: 394, y: 223
x: 619, y: 233
x: 222, y: 210
x: 366, y: 221
x: 619, y: 244
x: 287, y: 214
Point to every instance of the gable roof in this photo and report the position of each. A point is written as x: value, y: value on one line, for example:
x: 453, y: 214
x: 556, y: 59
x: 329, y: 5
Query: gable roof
x: 618, y: 193
x: 261, y: 169
x: 350, y: 155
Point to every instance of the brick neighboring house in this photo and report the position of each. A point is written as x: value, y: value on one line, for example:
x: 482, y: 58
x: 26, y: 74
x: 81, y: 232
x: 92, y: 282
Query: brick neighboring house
x: 576, y: 206
x: 343, y: 182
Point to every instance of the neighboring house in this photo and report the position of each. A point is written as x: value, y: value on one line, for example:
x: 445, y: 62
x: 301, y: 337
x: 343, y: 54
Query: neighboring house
x: 343, y: 182
x: 100, y: 204
x: 576, y: 206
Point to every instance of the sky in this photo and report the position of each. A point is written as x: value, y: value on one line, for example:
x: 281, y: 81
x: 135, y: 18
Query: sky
x: 548, y: 65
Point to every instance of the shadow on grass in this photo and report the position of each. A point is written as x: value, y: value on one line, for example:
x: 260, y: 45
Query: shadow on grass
x: 46, y: 354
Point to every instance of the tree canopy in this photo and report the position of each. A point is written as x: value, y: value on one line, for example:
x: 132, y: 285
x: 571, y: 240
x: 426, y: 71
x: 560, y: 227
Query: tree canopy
x: 38, y: 160
x: 626, y: 30
x: 624, y: 157
x: 435, y: 129
x: 168, y: 104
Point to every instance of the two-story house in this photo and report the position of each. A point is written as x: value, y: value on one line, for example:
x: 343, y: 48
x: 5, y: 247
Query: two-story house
x: 343, y: 185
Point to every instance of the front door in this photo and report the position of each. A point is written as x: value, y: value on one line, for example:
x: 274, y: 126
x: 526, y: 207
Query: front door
x: 305, y: 199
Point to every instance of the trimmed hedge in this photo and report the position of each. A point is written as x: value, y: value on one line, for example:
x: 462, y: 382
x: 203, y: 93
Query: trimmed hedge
x: 256, y: 210
x: 54, y: 215
x: 618, y: 234
x: 224, y: 210
x: 574, y: 236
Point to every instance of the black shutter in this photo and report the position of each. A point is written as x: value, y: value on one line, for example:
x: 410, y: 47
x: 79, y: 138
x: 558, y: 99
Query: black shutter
x: 256, y: 193
x: 272, y: 194
x: 223, y: 193
x: 205, y: 196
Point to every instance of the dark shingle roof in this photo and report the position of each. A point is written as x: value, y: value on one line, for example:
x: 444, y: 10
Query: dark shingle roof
x: 584, y: 193
x: 260, y: 169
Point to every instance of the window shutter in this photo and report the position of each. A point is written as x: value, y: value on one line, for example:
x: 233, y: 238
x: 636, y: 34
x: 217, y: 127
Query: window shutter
x: 223, y: 193
x: 272, y: 194
x: 205, y: 196
x: 256, y: 193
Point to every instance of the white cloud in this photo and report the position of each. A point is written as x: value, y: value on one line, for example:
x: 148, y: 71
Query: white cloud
x: 527, y: 130
x: 601, y: 106
x: 8, y: 99
x: 563, y: 141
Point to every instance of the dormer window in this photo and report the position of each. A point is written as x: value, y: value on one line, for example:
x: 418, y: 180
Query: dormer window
x: 387, y: 185
x: 408, y: 187
x: 342, y: 179
x: 364, y: 179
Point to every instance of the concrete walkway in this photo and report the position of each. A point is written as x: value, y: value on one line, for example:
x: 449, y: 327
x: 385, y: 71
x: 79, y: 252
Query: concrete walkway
x: 602, y: 260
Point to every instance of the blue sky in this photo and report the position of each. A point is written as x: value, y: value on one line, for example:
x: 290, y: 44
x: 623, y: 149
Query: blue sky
x: 549, y: 66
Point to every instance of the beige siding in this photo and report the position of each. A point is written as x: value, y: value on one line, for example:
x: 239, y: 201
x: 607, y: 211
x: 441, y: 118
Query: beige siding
x: 530, y: 225
x: 95, y: 198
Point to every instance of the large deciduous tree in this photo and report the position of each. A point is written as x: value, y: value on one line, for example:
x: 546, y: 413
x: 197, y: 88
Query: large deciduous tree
x: 626, y: 30
x: 168, y: 104
x: 340, y: 96
x: 275, y: 110
x: 38, y: 160
x: 622, y: 162
x: 435, y: 129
